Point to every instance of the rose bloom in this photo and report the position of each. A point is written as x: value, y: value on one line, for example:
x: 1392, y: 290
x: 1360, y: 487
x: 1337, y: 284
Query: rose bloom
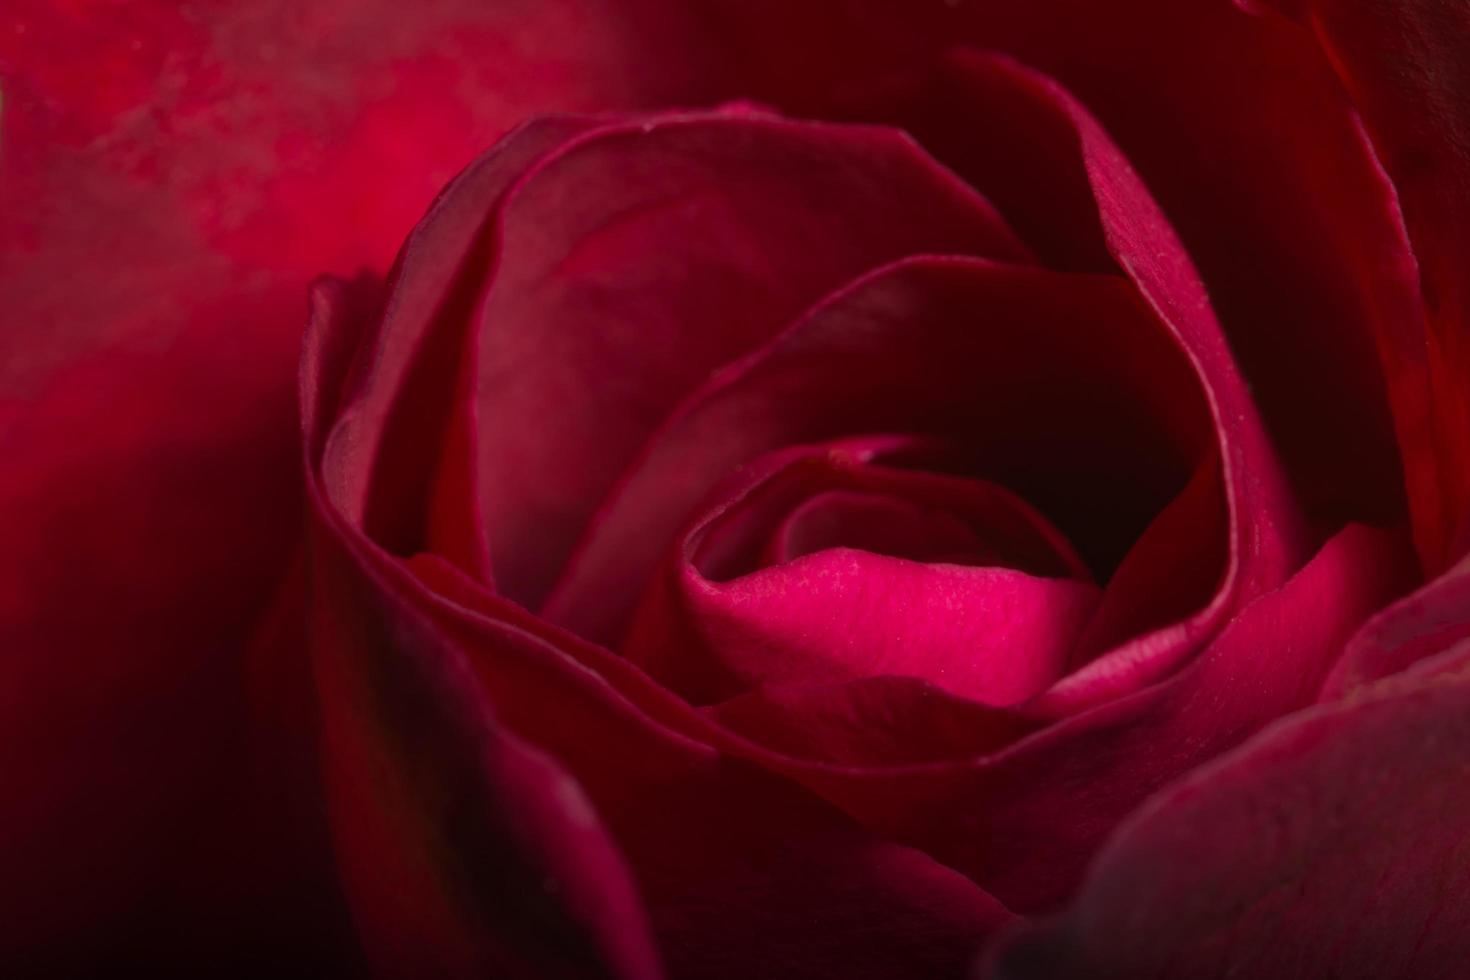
x: 834, y: 489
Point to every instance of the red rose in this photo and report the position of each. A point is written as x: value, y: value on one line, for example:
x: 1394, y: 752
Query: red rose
x: 939, y: 514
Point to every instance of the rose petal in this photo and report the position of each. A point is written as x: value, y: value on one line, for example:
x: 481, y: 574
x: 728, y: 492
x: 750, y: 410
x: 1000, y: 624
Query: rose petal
x: 462, y: 849
x: 1430, y: 621
x: 1405, y: 66
x: 1332, y: 845
x: 640, y: 258
x: 992, y: 634
x: 378, y: 468
x: 1267, y: 538
x: 743, y: 874
x: 1170, y: 571
x: 1006, y: 358
x: 987, y: 630
x: 1025, y: 821
x: 876, y: 722
x: 1237, y: 125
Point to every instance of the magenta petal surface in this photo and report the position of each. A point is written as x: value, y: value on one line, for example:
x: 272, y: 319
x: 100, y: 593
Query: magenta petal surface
x: 997, y: 622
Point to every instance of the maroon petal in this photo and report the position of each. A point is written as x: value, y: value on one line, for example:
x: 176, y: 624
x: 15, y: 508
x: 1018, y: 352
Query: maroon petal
x: 462, y: 849
x: 1238, y: 126
x: 1266, y: 538
x: 1004, y: 360
x: 524, y: 280
x: 1406, y: 67
x: 1430, y: 621
x: 1332, y: 845
x: 635, y: 261
x: 379, y: 470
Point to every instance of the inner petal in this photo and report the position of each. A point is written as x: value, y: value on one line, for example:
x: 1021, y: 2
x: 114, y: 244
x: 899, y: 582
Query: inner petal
x: 823, y: 567
x: 639, y: 258
x: 1061, y: 387
x: 883, y: 525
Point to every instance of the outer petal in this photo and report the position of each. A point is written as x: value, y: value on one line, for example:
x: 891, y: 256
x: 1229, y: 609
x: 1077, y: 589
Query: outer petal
x: 585, y: 275
x: 1426, y: 623
x: 1407, y: 68
x: 637, y: 260
x: 462, y: 849
x: 454, y: 724
x: 743, y: 873
x: 1004, y: 359
x: 1333, y: 845
x: 1235, y: 123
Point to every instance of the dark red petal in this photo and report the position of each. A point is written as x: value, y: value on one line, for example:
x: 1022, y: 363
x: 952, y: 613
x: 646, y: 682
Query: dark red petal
x: 878, y: 524
x: 1062, y: 388
x: 408, y: 416
x: 876, y: 722
x: 462, y: 849
x: 1331, y: 846
x: 1173, y: 568
x: 1267, y: 539
x: 1420, y: 626
x: 1238, y: 126
x: 1407, y: 67
x: 640, y: 258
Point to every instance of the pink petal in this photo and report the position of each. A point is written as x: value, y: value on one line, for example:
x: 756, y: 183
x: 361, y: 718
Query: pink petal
x: 988, y: 628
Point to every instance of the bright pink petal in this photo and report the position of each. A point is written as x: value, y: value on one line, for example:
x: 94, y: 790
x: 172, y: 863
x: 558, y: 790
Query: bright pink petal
x: 997, y: 623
